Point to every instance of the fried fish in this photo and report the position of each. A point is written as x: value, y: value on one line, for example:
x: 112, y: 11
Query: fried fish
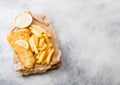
x: 25, y: 55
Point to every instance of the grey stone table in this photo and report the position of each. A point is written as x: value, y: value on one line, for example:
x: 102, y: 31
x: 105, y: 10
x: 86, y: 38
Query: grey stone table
x: 88, y: 32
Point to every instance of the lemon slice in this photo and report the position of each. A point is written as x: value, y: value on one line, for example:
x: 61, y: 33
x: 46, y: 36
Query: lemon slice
x: 23, y: 20
x: 22, y: 43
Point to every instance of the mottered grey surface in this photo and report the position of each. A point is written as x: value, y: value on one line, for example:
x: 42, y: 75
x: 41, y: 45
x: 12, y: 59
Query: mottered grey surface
x: 88, y: 33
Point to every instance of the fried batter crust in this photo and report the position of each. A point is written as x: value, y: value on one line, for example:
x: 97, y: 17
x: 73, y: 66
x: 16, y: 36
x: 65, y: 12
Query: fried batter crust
x: 25, y: 55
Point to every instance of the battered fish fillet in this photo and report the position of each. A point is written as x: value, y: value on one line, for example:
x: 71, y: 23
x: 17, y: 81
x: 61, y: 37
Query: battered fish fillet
x: 25, y: 55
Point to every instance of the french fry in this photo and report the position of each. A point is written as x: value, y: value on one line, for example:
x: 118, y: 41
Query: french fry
x: 39, y: 28
x: 36, y: 33
x: 49, y: 35
x: 36, y: 39
x: 39, y: 49
x: 50, y: 45
x: 33, y: 28
x: 43, y: 62
x: 44, y: 47
x: 48, y: 59
x: 37, y: 57
x: 33, y: 45
x: 42, y: 56
x: 41, y: 42
x: 38, y: 61
x: 49, y: 49
x: 46, y: 38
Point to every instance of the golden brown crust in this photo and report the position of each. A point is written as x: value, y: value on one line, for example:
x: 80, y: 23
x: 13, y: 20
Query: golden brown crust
x: 25, y: 55
x: 56, y: 60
